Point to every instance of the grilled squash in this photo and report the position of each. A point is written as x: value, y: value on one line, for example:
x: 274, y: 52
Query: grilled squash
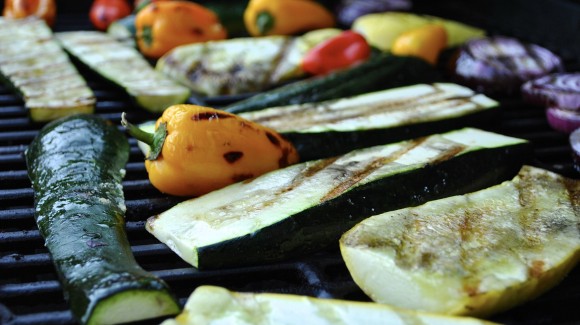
x: 476, y: 254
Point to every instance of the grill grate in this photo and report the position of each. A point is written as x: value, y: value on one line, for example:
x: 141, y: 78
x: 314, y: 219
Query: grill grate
x: 29, y: 289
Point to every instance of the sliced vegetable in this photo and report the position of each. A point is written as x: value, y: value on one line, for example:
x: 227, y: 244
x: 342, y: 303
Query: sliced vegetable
x: 203, y: 149
x: 425, y: 42
x: 339, y: 52
x: 76, y: 165
x: 216, y: 305
x: 575, y: 144
x: 105, y: 12
x: 164, y: 25
x: 34, y: 65
x: 329, y: 128
x: 502, y: 64
x: 476, y: 254
x: 557, y: 89
x: 43, y: 9
x: 563, y: 120
x: 306, y: 207
x: 349, y: 10
x: 125, y: 67
x: 379, y: 72
x: 285, y: 17
x: 123, y: 30
x: 382, y: 29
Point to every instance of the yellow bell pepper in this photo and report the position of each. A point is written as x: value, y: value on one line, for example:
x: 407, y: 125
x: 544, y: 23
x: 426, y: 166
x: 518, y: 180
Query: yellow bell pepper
x: 197, y: 149
x: 425, y: 42
x: 285, y: 17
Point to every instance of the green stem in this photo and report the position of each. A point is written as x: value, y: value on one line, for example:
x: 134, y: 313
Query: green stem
x: 136, y: 132
x: 265, y: 22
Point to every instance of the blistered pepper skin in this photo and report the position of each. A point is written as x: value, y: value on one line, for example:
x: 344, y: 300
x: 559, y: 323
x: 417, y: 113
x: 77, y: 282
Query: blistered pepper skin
x: 206, y: 149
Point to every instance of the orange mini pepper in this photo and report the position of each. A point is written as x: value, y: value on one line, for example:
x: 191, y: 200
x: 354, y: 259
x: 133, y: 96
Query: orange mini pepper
x: 43, y: 9
x: 162, y: 26
x: 285, y: 17
x: 425, y: 42
x: 198, y: 149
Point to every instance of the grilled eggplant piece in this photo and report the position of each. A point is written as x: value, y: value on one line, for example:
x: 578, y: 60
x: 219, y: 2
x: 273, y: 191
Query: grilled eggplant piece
x: 124, y: 66
x: 306, y: 207
x: 215, y: 305
x: 240, y: 65
x: 35, y: 66
x: 334, y: 127
x: 475, y: 254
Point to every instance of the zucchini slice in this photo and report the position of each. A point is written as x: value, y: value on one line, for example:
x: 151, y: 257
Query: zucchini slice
x: 334, y: 127
x: 476, y: 254
x: 36, y: 67
x: 215, y: 305
x: 308, y: 206
x: 76, y: 165
x: 124, y: 66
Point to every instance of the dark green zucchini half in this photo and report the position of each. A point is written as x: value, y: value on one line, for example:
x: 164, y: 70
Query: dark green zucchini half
x: 34, y: 65
x: 334, y: 127
x: 381, y: 71
x: 125, y: 67
x: 76, y: 165
x: 308, y: 206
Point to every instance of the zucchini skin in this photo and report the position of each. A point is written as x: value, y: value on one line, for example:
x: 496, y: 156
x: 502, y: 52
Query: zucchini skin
x: 76, y: 166
x: 381, y: 71
x: 298, y: 234
x: 311, y: 146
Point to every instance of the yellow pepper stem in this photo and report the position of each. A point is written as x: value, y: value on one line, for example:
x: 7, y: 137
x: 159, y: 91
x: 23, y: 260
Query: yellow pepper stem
x: 154, y: 140
x: 265, y: 22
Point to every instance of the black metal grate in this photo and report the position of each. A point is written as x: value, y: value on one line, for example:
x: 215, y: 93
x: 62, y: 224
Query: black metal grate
x: 29, y: 289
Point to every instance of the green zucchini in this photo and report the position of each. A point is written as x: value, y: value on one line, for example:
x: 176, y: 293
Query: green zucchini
x: 35, y: 66
x: 491, y: 250
x: 308, y: 206
x: 216, y: 305
x: 76, y: 165
x: 123, y: 30
x: 381, y: 71
x: 329, y: 128
x: 124, y: 66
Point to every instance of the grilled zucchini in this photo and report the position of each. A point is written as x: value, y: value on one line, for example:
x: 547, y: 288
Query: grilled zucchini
x: 124, y: 66
x: 306, y: 207
x: 35, y: 66
x: 329, y: 128
x: 215, y: 305
x: 476, y: 254
x: 76, y: 165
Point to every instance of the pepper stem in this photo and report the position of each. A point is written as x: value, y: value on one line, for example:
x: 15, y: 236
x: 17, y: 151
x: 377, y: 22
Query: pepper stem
x: 154, y: 140
x: 265, y: 22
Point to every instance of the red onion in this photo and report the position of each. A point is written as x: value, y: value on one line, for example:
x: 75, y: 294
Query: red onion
x: 502, y: 64
x: 349, y: 10
x: 558, y: 89
x: 563, y: 120
x: 575, y: 144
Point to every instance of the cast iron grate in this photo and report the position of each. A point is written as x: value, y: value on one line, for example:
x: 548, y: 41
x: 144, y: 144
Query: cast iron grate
x: 29, y: 289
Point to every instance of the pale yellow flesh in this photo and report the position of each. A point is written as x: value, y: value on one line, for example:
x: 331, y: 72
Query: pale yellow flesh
x: 209, y: 305
x: 476, y: 254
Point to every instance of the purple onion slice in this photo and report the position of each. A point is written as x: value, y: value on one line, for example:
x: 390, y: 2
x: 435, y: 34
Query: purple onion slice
x: 501, y: 64
x: 349, y: 10
x: 558, y: 89
x: 563, y: 120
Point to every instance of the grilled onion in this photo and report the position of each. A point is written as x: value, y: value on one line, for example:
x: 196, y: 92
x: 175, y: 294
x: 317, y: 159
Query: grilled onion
x: 557, y: 89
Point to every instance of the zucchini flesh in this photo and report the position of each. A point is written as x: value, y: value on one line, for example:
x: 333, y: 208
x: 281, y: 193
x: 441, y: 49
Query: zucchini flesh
x: 491, y: 250
x: 307, y: 207
x: 35, y: 66
x: 381, y: 71
x: 124, y: 66
x: 334, y: 127
x: 215, y: 305
x: 76, y: 165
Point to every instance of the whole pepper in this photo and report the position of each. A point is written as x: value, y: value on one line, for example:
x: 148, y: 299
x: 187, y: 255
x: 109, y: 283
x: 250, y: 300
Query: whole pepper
x: 342, y: 51
x: 43, y: 9
x: 285, y: 17
x: 164, y: 25
x: 105, y: 12
x: 198, y: 149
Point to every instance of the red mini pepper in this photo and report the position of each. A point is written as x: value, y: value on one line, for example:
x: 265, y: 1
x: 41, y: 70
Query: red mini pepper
x: 339, y: 52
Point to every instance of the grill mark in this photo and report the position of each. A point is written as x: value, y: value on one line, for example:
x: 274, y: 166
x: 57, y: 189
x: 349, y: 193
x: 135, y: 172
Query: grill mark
x: 287, y: 45
x: 273, y: 139
x: 209, y: 116
x: 233, y: 156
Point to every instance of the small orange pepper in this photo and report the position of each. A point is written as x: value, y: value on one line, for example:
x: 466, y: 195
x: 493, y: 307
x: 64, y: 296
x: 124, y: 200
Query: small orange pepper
x: 162, y: 26
x: 285, y: 17
x: 43, y: 9
x: 198, y: 149
x: 425, y: 42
